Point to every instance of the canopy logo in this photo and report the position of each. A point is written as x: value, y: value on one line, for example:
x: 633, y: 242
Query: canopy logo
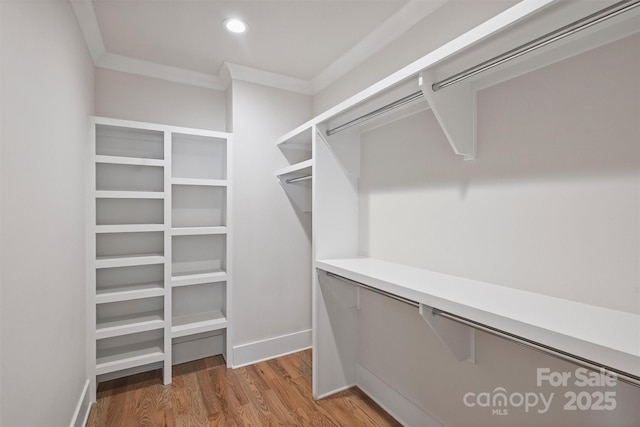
x: 500, y: 402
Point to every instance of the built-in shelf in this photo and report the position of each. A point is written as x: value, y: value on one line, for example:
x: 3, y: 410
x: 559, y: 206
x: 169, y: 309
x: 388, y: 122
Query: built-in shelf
x: 300, y: 138
x: 129, y: 324
x: 299, y: 169
x: 198, y: 278
x: 604, y: 336
x: 195, y: 323
x: 131, y: 260
x: 128, y: 228
x: 129, y: 292
x: 128, y: 356
x: 197, y: 231
x: 129, y: 194
x: 195, y: 181
x: 117, y: 160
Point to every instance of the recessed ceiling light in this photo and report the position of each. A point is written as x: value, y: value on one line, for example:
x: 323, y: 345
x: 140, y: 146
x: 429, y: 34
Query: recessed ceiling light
x: 235, y: 25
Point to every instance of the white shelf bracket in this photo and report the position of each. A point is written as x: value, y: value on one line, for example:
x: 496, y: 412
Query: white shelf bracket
x: 460, y: 339
x: 455, y: 110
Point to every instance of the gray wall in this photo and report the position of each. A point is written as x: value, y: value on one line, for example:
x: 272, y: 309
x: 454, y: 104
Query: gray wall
x: 47, y: 95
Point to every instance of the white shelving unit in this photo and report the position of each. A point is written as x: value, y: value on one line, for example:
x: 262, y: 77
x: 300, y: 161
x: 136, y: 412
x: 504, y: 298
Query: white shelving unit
x: 607, y: 337
x: 297, y: 178
x: 156, y: 193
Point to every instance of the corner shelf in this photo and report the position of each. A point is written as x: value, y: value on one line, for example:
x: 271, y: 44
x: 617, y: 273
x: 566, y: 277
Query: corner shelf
x: 129, y: 324
x: 198, y: 278
x: 607, y: 337
x: 129, y: 261
x: 197, y: 181
x: 197, y: 231
x: 128, y: 356
x: 196, y: 323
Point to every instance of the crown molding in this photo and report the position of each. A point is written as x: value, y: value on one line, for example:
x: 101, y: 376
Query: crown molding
x: 391, y: 29
x: 126, y: 64
x: 407, y: 16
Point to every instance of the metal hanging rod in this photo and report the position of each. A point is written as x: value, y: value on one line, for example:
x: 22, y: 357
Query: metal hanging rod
x: 534, y: 345
x: 395, y: 104
x: 581, y: 24
x: 298, y: 179
x: 375, y: 290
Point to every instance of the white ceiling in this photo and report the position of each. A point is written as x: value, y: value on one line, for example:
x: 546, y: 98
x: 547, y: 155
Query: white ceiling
x: 302, y: 45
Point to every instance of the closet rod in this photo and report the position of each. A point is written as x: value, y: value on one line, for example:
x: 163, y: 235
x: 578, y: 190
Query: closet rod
x: 567, y: 30
x: 375, y: 290
x: 395, y: 104
x: 534, y: 345
x: 298, y: 179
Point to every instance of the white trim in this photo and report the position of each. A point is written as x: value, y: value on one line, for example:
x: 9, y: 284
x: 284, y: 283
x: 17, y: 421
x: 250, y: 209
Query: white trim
x: 259, y: 351
x: 81, y: 415
x: 392, y: 28
x: 267, y: 78
x: 397, y: 405
x: 126, y: 64
x: 86, y: 16
x: 395, y: 26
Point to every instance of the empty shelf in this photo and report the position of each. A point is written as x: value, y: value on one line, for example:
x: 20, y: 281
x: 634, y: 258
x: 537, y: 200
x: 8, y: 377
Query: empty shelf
x: 129, y: 356
x: 300, y: 138
x: 194, y: 181
x: 129, y: 260
x: 102, y: 194
x: 299, y: 169
x: 129, y: 324
x: 197, y: 323
x: 117, y: 160
x: 129, y: 292
x: 197, y: 278
x: 604, y: 336
x: 128, y: 228
x: 197, y: 231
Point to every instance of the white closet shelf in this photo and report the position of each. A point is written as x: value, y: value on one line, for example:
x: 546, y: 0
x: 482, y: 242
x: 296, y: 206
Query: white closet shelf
x: 302, y: 168
x: 129, y: 324
x: 129, y: 228
x: 196, y: 323
x: 128, y: 261
x: 203, y: 182
x: 197, y: 231
x: 129, y: 356
x: 604, y: 336
x: 129, y: 292
x: 136, y: 161
x: 300, y: 138
x: 187, y: 279
x: 101, y: 194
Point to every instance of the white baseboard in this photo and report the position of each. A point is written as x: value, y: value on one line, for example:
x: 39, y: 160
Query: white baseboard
x: 398, y: 406
x: 81, y: 414
x: 259, y: 351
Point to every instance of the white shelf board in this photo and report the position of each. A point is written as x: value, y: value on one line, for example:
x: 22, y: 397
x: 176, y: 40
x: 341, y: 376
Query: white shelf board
x: 129, y: 324
x: 302, y: 168
x: 299, y: 138
x: 197, y: 231
x: 203, y: 182
x: 129, y: 228
x: 101, y: 194
x: 129, y: 356
x: 129, y: 292
x: 128, y: 261
x: 198, y: 278
x: 129, y: 161
x: 196, y: 323
x: 602, y: 335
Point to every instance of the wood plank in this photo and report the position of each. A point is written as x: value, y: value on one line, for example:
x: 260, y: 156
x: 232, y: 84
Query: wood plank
x: 206, y: 393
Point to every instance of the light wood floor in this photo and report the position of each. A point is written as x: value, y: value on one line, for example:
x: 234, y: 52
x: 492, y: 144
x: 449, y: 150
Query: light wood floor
x: 206, y: 393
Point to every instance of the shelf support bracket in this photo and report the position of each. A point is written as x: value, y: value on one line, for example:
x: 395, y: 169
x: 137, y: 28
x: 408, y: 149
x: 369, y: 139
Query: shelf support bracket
x: 460, y: 339
x: 455, y: 110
